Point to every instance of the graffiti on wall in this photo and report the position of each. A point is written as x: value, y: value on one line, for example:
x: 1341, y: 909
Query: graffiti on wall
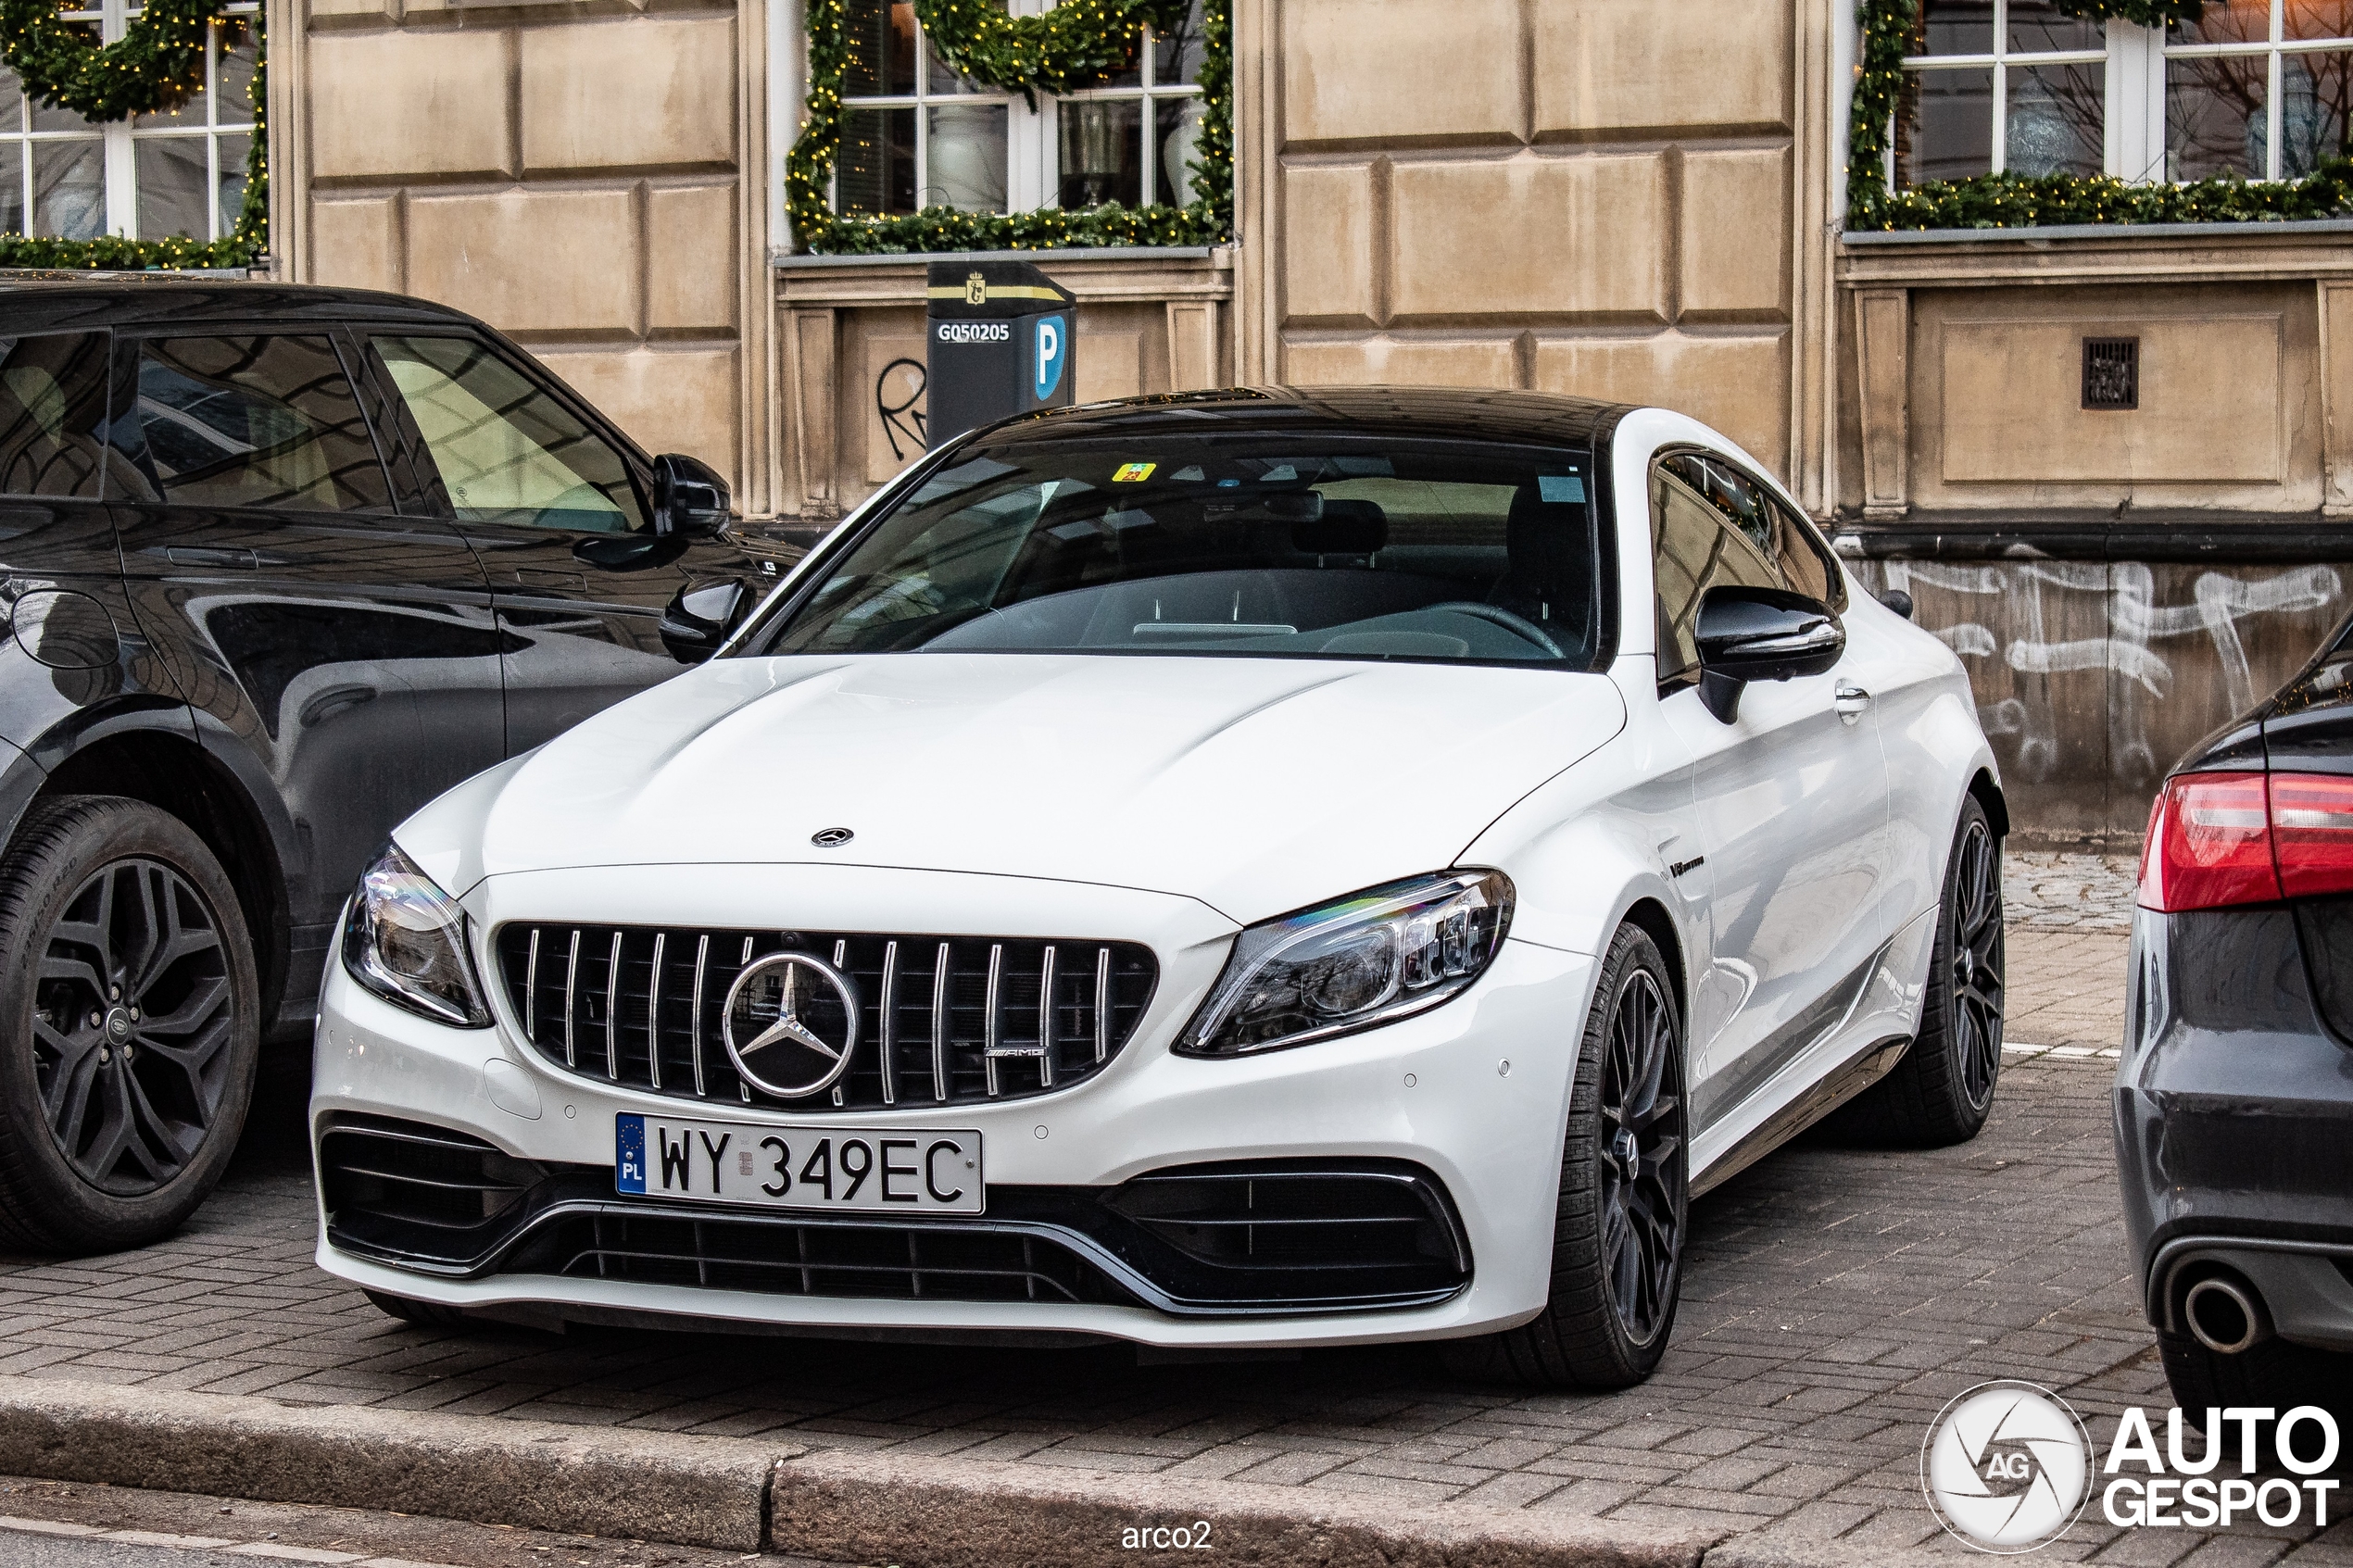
x: 2146, y: 647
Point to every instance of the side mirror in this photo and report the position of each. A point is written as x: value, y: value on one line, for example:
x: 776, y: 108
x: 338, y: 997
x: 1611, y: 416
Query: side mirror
x: 1760, y: 634
x: 1899, y: 601
x: 699, y: 620
x: 690, y: 499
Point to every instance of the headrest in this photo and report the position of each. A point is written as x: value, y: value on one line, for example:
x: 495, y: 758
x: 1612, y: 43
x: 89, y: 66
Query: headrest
x: 1347, y: 528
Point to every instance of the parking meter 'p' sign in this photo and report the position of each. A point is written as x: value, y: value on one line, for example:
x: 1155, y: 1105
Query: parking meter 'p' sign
x: 1050, y: 347
x: 999, y: 341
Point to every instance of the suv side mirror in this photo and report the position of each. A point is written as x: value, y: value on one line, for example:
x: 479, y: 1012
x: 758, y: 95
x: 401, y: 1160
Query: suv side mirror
x: 690, y: 499
x: 1760, y: 634
x: 699, y: 620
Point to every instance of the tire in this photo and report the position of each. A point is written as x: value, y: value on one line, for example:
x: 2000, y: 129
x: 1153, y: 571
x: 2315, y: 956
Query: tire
x: 125, y: 1077
x: 2273, y: 1372
x: 1617, y: 1244
x: 1940, y: 1092
x: 423, y: 1314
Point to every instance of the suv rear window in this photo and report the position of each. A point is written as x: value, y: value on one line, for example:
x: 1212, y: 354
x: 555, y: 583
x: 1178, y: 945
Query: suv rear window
x: 256, y: 421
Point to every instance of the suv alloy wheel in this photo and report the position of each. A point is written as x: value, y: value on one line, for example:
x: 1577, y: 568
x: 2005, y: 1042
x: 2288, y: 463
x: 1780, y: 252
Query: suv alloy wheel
x: 128, y: 1026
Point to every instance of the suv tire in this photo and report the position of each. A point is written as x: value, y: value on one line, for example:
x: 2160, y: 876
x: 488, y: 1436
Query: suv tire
x: 1624, y: 1209
x: 129, y: 1025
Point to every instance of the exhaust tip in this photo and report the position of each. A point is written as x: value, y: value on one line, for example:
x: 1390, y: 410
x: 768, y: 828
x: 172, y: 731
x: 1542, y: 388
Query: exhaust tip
x: 2225, y: 1315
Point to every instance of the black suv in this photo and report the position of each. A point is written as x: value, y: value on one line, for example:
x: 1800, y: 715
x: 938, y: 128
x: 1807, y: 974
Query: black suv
x: 281, y: 564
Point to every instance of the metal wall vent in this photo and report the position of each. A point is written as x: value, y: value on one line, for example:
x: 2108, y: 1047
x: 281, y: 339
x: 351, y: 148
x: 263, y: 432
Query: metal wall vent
x: 2111, y: 372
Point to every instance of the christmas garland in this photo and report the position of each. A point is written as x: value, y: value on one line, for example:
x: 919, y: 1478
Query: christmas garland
x: 1075, y: 42
x: 2012, y: 201
x: 1072, y: 43
x: 155, y: 66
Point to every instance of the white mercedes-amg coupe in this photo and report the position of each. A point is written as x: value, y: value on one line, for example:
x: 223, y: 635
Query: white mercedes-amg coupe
x: 1260, y: 868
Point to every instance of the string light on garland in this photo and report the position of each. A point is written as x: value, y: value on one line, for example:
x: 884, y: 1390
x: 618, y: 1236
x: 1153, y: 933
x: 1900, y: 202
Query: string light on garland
x: 2015, y: 201
x: 1075, y: 42
x: 1068, y: 46
x: 156, y: 67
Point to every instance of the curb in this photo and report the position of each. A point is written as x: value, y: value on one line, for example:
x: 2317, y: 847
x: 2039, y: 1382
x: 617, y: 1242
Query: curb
x: 600, y: 1481
x: 750, y: 1494
x: 924, y: 1513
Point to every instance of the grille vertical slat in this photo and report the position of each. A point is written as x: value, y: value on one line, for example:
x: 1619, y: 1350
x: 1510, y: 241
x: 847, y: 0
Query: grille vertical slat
x: 612, y: 1011
x: 888, y: 1029
x: 988, y: 1016
x: 653, y: 1015
x: 1046, y: 1020
x: 1102, y: 1004
x: 988, y: 1036
x: 940, y: 1086
x: 703, y: 956
x: 571, y: 986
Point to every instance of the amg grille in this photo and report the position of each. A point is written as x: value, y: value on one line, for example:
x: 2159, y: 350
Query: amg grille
x: 789, y: 1257
x: 942, y: 1020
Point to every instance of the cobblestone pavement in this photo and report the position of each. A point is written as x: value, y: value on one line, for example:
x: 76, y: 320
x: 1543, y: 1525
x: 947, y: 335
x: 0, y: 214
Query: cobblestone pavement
x: 1835, y: 1299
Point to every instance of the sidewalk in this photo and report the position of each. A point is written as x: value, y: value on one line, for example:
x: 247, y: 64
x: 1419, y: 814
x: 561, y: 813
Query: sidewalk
x: 1834, y: 1300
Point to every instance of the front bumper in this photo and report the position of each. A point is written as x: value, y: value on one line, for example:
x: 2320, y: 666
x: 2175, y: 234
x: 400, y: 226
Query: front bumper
x: 2233, y: 1108
x: 1430, y: 1094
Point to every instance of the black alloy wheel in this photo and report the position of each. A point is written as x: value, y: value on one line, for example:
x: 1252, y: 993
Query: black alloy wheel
x: 1623, y: 1212
x: 129, y: 1025
x: 1641, y: 1165
x: 1974, y: 945
x: 1941, y: 1089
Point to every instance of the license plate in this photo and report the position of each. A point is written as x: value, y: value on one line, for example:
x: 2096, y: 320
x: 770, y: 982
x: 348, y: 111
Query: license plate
x: 837, y: 1169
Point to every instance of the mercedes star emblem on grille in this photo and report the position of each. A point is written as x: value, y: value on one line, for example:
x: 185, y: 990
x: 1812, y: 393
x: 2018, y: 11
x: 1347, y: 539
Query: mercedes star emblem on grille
x: 791, y: 1024
x: 832, y: 839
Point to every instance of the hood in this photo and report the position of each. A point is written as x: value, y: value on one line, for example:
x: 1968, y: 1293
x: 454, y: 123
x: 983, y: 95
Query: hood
x: 1255, y: 786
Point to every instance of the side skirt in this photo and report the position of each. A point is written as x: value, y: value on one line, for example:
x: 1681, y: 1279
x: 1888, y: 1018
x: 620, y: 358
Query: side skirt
x: 1859, y: 1073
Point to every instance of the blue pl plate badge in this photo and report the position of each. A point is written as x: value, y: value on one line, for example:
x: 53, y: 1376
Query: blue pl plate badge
x: 1052, y: 344
x: 629, y: 1157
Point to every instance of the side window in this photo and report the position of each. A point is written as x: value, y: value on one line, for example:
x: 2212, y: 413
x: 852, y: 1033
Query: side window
x: 256, y: 421
x: 507, y: 451
x: 53, y: 414
x: 1695, y: 546
x: 1792, y: 549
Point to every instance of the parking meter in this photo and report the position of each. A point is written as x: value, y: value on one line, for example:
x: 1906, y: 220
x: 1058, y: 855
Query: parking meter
x: 998, y: 338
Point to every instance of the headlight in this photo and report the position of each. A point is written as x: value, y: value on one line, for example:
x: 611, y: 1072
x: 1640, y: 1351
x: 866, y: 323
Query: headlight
x: 406, y: 941
x: 1372, y: 957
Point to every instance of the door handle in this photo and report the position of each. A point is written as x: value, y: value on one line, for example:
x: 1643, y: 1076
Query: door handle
x: 1849, y: 700
x: 207, y: 554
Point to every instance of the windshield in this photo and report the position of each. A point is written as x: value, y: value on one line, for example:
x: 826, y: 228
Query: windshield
x: 1247, y: 544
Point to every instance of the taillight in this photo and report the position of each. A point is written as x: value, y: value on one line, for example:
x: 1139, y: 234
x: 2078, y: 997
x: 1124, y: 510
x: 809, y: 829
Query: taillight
x: 2312, y: 832
x: 2217, y: 839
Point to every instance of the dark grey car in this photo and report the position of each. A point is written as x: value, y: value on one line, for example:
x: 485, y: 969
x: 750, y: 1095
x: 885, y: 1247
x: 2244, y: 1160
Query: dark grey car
x: 2235, y: 1097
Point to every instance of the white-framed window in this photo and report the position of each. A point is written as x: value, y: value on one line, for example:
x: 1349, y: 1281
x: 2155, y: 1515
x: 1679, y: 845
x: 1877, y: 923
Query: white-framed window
x: 2254, y: 88
x: 151, y: 177
x: 916, y: 133
x: 2257, y: 88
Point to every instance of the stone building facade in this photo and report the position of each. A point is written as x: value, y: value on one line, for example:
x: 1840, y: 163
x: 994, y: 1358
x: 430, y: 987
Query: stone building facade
x: 1621, y: 198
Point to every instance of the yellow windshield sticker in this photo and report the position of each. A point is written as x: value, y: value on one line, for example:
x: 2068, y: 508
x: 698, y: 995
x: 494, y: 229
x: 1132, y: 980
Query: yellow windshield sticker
x: 1133, y: 474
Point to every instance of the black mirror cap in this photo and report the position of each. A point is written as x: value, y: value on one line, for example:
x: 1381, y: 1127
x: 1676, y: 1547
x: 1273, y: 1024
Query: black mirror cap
x: 690, y: 500
x: 700, y: 618
x: 1899, y: 601
x: 1766, y: 635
